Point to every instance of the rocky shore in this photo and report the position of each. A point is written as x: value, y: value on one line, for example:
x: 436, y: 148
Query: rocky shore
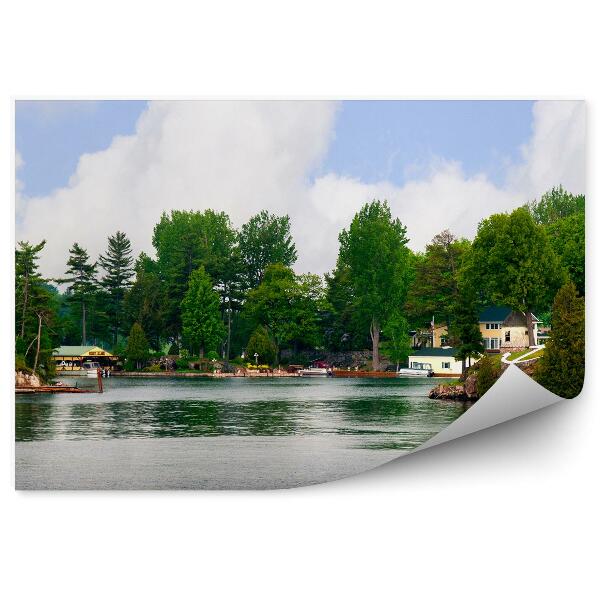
x: 466, y: 390
x: 27, y: 380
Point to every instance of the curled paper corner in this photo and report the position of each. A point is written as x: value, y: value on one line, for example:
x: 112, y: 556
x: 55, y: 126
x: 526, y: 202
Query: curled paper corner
x: 513, y: 395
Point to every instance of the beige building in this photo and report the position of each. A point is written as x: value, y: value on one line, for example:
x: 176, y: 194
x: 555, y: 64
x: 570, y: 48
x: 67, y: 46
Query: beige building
x: 503, y: 328
x: 441, y: 361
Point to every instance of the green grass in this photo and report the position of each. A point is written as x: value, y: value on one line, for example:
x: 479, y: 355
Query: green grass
x: 518, y: 354
x: 537, y: 354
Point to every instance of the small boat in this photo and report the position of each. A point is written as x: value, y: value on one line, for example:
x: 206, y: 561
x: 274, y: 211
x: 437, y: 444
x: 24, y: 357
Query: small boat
x: 314, y: 372
x: 409, y: 372
x: 91, y: 369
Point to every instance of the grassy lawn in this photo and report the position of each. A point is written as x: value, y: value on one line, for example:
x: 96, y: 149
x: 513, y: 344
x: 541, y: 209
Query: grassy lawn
x: 518, y: 354
x: 537, y: 354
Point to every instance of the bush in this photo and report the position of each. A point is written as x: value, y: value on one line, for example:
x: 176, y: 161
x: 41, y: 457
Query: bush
x: 174, y: 349
x: 21, y: 365
x: 212, y: 355
x: 153, y: 368
x: 182, y: 364
x: 487, y: 374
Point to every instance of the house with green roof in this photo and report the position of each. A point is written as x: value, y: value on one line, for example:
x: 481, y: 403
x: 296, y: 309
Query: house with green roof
x: 442, y: 361
x: 505, y: 329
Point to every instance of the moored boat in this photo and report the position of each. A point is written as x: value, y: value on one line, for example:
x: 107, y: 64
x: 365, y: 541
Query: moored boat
x: 91, y: 368
x: 409, y: 372
x: 314, y: 372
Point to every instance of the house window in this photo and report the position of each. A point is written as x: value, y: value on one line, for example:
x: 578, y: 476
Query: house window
x: 487, y: 325
x: 445, y: 365
x: 507, y: 336
x: 494, y: 343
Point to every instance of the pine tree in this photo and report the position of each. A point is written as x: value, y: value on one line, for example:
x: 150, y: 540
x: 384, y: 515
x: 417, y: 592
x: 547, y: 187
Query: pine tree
x: 137, y: 346
x: 117, y: 264
x: 466, y: 328
x: 27, y: 280
x: 562, y: 367
x: 83, y: 284
x: 203, y: 328
x: 36, y: 312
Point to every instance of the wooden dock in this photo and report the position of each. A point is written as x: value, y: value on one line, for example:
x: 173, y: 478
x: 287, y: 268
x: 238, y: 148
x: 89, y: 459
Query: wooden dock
x: 53, y: 389
x: 372, y: 374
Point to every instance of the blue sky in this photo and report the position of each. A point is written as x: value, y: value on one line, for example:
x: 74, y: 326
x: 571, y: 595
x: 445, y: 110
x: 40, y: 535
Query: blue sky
x: 52, y: 135
x: 374, y: 141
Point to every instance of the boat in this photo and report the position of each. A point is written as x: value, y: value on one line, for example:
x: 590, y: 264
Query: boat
x: 91, y: 368
x: 314, y: 372
x: 424, y: 370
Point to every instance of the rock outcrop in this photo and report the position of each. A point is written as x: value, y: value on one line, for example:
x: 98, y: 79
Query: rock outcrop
x: 466, y: 390
x: 23, y: 379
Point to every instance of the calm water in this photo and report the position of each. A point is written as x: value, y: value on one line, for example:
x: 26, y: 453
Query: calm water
x: 221, y: 433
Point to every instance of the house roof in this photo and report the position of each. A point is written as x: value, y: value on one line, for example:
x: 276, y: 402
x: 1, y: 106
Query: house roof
x: 494, y: 314
x: 79, y: 351
x: 499, y: 314
x: 435, y: 352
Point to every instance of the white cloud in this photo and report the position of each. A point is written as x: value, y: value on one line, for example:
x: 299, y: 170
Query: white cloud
x: 244, y: 156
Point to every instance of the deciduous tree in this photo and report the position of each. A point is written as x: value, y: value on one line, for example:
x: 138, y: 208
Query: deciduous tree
x: 512, y: 263
x: 374, y: 250
x: 202, y: 325
x: 264, y: 240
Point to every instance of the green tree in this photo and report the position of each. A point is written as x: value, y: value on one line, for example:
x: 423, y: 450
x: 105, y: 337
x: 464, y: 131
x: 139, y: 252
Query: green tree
x: 83, y: 285
x: 374, y: 250
x: 434, y: 290
x: 137, y: 350
x: 145, y: 301
x: 466, y: 328
x: 487, y: 374
x: 117, y: 264
x: 343, y: 329
x: 512, y: 263
x: 562, y: 367
x: 260, y: 343
x: 27, y: 278
x: 289, y: 307
x: 184, y: 241
x: 36, y: 310
x: 264, y: 240
x: 554, y: 205
x: 396, y: 331
x: 202, y: 325
x: 567, y: 238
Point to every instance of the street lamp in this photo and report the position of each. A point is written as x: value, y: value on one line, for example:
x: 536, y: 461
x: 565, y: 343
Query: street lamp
x: 256, y: 358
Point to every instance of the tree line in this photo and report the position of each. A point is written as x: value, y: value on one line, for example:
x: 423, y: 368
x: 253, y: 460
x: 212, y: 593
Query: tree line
x: 212, y: 288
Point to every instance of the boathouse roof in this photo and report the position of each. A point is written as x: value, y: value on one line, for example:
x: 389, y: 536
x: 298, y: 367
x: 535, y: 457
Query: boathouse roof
x: 81, y: 351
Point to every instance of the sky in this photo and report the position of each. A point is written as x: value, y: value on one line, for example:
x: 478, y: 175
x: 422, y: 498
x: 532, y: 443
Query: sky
x: 85, y: 169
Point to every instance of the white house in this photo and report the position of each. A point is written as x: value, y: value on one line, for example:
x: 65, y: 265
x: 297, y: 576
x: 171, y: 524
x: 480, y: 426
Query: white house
x: 441, y: 360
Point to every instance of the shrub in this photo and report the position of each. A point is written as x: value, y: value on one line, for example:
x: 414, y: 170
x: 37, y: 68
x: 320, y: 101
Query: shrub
x: 153, y: 368
x: 487, y: 374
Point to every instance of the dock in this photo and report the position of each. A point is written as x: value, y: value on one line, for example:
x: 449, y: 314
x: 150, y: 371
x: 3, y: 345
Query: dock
x: 53, y: 389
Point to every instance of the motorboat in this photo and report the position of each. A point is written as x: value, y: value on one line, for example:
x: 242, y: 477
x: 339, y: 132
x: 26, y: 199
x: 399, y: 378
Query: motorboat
x: 424, y: 370
x: 314, y: 372
x: 91, y: 368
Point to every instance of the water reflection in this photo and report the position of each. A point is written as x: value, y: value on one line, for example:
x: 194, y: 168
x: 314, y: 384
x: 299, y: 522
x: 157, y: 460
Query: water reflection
x: 375, y: 414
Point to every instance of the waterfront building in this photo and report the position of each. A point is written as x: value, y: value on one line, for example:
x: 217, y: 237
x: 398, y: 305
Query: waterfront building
x: 69, y: 359
x: 506, y: 329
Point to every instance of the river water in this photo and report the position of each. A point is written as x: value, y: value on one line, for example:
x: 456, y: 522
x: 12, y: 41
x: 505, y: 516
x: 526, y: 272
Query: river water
x: 173, y: 433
